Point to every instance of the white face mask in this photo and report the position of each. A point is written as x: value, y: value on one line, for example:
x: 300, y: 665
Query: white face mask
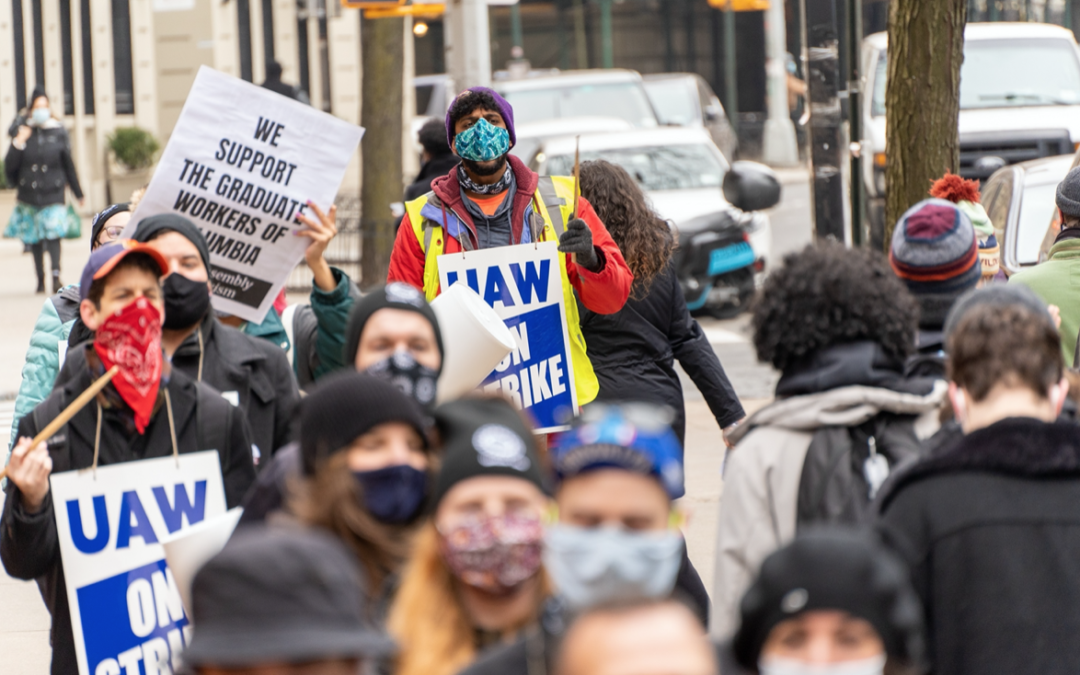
x: 875, y: 665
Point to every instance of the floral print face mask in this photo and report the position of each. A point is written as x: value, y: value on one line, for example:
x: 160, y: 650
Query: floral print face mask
x: 482, y: 142
x: 494, y: 554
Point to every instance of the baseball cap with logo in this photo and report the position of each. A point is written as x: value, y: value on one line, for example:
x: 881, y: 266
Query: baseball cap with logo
x: 484, y: 437
x: 630, y: 436
x: 106, y: 258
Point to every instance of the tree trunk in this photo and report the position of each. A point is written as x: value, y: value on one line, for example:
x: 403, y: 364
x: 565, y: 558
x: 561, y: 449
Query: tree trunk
x: 382, y: 45
x: 922, y: 100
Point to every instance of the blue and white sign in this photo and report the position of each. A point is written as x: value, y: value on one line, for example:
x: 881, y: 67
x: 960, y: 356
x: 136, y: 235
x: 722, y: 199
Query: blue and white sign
x: 523, y: 284
x: 126, y: 610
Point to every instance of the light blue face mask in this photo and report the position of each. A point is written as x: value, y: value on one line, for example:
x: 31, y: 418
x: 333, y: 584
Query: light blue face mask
x: 40, y: 116
x: 594, y: 566
x: 482, y: 142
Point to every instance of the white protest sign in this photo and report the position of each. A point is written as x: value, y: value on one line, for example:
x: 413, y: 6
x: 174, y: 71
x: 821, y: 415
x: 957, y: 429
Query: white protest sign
x: 191, y: 548
x: 523, y: 285
x: 241, y: 164
x: 126, y: 609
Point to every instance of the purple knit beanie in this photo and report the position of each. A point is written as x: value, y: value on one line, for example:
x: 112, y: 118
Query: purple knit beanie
x: 505, y: 109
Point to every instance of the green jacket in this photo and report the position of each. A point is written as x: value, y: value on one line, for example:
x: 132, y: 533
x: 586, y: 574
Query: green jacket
x: 1057, y: 282
x: 318, y: 330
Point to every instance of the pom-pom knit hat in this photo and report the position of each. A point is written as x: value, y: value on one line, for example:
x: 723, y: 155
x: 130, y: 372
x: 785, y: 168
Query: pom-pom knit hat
x: 965, y: 194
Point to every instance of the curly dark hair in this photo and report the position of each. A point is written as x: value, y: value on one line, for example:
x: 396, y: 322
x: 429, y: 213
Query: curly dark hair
x: 826, y: 295
x: 645, y: 239
x: 468, y: 101
x: 432, y: 137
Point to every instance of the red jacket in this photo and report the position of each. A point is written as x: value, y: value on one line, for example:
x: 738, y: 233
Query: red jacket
x: 603, y: 292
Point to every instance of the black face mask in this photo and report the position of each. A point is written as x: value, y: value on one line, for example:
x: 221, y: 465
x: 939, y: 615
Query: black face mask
x: 186, y: 301
x: 404, y: 372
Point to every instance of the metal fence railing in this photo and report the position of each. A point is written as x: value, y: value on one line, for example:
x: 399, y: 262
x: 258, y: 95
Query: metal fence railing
x: 343, y: 252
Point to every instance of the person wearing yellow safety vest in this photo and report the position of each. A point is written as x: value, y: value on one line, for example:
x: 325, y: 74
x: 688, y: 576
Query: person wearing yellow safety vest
x: 492, y: 199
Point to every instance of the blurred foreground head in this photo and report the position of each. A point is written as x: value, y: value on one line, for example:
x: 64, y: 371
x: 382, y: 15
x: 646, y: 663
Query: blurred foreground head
x: 832, y: 601
x: 638, y: 638
x: 826, y: 295
x: 278, y: 601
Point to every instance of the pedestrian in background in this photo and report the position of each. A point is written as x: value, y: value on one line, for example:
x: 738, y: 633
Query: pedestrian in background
x: 367, y: 470
x: 838, y: 325
x: 475, y: 577
x: 832, y: 602
x: 56, y: 325
x: 1052, y: 280
x: 437, y: 158
x: 39, y: 165
x: 281, y: 601
x: 633, y: 351
x: 988, y: 525
x: 273, y: 83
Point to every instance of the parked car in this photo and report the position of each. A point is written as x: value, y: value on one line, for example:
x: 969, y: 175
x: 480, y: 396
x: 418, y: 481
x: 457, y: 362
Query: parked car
x: 687, y: 100
x: 1019, y: 101
x: 683, y: 174
x: 1020, y: 200
x: 433, y: 94
x: 531, y: 135
x: 580, y: 93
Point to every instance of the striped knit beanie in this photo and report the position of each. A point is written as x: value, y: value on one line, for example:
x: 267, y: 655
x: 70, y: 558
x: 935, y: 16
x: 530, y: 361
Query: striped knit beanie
x: 935, y: 252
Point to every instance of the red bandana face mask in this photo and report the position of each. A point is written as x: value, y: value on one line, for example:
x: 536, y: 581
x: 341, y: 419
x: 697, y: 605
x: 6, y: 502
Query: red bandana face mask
x: 131, y: 339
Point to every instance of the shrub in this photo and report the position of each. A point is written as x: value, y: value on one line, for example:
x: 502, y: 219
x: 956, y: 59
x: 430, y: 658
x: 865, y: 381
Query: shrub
x: 133, y: 147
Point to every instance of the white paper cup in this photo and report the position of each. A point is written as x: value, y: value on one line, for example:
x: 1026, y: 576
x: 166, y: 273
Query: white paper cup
x: 189, y: 550
x: 474, y: 339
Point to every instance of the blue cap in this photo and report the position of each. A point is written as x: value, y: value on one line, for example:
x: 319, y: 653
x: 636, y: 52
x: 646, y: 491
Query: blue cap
x: 633, y: 437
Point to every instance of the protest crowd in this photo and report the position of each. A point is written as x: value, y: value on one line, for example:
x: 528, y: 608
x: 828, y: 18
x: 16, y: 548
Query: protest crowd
x: 905, y: 505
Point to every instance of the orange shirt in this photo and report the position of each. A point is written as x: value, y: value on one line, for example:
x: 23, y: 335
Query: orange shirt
x: 489, y: 204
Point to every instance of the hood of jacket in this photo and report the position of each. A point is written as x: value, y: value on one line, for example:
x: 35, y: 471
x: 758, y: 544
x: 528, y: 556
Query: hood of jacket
x: 448, y: 189
x: 845, y: 385
x: 1016, y: 446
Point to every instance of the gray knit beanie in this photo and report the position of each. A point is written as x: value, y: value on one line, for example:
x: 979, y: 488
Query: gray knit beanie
x: 1068, y: 194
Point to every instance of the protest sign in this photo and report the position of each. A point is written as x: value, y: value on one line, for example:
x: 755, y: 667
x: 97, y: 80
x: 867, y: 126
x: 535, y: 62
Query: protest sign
x: 242, y: 164
x: 188, y: 550
x: 524, y: 286
x: 126, y: 609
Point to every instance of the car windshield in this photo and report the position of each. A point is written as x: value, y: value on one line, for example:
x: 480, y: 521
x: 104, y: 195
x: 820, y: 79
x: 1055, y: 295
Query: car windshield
x: 621, y: 99
x: 658, y: 167
x: 1036, y: 209
x: 1003, y: 73
x: 675, y: 102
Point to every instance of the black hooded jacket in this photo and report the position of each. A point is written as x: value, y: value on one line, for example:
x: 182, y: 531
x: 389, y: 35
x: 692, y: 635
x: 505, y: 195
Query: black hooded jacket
x: 633, y: 353
x: 991, y: 530
x: 29, y: 546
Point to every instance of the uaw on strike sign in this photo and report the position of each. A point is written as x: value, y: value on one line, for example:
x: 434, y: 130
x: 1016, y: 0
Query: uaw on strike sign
x: 126, y: 611
x: 524, y: 286
x: 242, y: 164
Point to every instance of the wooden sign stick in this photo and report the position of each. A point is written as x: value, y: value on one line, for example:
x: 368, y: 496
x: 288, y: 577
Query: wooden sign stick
x: 577, y: 183
x: 70, y: 411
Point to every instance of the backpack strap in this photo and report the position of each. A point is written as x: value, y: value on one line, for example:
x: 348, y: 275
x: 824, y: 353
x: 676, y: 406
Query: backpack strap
x: 553, y: 203
x: 57, y: 444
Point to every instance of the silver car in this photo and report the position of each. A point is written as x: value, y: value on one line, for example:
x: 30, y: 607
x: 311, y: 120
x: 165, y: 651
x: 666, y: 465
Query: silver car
x: 687, y: 100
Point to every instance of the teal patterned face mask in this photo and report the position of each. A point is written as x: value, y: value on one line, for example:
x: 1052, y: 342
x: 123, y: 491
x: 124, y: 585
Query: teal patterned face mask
x: 482, y: 142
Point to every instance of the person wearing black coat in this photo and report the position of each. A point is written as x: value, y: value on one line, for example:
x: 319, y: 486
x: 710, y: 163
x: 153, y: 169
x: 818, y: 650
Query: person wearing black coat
x: 202, y: 420
x: 247, y: 371
x: 634, y: 350
x: 988, y: 525
x: 437, y: 156
x: 273, y: 83
x: 39, y: 165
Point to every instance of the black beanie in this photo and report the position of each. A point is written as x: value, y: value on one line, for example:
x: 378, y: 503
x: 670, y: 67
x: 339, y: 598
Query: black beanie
x: 102, y: 217
x: 832, y: 569
x: 148, y: 228
x: 348, y: 404
x: 1068, y: 194
x: 395, y: 295
x: 484, y: 437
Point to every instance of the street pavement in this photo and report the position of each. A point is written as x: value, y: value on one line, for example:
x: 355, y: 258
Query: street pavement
x: 24, y: 622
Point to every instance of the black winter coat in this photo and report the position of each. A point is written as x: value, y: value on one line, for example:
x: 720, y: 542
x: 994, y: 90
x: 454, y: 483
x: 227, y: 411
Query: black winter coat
x: 991, y: 530
x: 432, y: 169
x: 29, y: 547
x: 258, y: 371
x: 633, y: 353
x: 41, y: 171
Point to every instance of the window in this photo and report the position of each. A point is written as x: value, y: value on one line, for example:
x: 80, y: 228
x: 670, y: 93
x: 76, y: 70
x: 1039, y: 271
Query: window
x: 674, y: 101
x: 123, y: 78
x: 39, y: 44
x: 20, y: 54
x: 1037, y: 208
x: 65, y: 57
x: 1005, y: 73
x: 87, y: 57
x: 672, y: 167
x: 623, y: 99
x: 268, y: 29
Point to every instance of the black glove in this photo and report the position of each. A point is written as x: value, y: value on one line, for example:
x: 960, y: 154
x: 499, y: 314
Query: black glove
x: 578, y: 240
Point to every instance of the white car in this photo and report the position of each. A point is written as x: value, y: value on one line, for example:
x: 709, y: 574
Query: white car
x: 1019, y: 100
x: 680, y: 169
x: 531, y: 135
x: 580, y: 93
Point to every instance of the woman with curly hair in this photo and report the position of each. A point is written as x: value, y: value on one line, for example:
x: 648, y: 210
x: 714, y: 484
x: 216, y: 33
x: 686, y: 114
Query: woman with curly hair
x: 633, y: 351
x: 838, y: 325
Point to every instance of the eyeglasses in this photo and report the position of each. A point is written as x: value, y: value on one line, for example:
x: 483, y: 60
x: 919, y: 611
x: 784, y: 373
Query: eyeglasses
x: 111, y: 233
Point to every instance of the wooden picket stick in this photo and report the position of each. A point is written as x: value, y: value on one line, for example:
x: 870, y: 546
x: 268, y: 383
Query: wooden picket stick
x: 577, y: 184
x: 70, y: 411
